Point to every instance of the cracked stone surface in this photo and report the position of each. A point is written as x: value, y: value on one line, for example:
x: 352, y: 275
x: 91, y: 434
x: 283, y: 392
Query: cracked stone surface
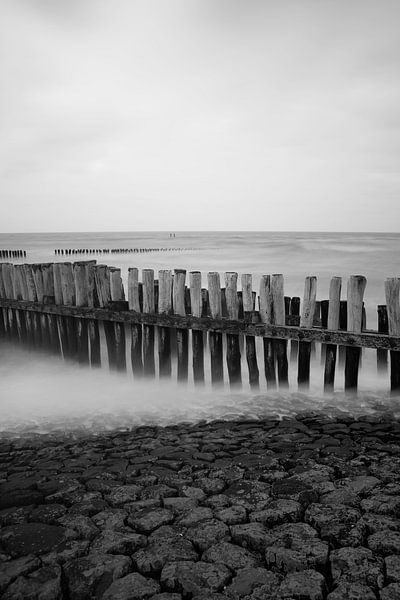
x: 305, y: 508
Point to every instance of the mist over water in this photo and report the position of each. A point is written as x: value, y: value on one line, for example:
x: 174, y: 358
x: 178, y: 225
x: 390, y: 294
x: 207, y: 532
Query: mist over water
x: 42, y: 393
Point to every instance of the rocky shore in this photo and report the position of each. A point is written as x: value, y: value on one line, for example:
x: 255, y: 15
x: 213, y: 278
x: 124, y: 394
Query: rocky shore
x: 306, y: 508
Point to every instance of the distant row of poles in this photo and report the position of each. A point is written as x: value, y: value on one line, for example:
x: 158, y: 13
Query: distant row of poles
x: 12, y: 253
x: 116, y: 250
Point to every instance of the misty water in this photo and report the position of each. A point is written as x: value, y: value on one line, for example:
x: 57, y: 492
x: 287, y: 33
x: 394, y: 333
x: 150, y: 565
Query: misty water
x: 42, y: 393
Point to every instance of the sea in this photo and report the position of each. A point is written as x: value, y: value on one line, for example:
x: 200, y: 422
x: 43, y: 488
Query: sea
x: 41, y: 393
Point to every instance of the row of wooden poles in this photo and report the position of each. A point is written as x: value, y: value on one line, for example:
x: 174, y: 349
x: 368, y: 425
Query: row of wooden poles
x: 85, y: 284
x: 12, y: 253
x: 68, y: 251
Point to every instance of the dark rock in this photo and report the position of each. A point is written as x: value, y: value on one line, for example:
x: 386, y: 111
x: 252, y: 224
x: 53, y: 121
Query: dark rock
x: 210, y: 485
x: 44, y: 584
x: 340, y: 525
x: 15, y: 515
x: 162, y: 549
x: 278, y: 511
x: 12, y: 569
x: 356, y: 565
x: 306, y: 585
x: 206, y: 533
x: 391, y: 592
x: 122, y: 494
x: 250, y: 535
x: 295, y: 547
x: 31, y: 538
x: 47, y: 513
x: 249, y: 579
x: 84, y: 526
x: 382, y: 504
x: 385, y: 542
x: 196, y: 515
x: 217, y: 501
x: 231, y: 556
x: 145, y: 521
x: 249, y: 494
x: 158, y: 492
x: 392, y: 567
x: 167, y: 596
x: 194, y: 577
x: 363, y: 484
x: 110, y: 519
x: 131, y: 587
x: 342, y: 496
x: 376, y: 523
x: 293, y: 488
x: 71, y: 549
x: 233, y: 515
x: 17, y: 497
x: 179, y: 505
x: 118, y: 542
x: 91, y: 575
x: 352, y: 591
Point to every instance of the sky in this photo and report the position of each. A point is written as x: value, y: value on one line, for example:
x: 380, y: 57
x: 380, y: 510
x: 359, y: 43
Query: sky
x: 199, y: 115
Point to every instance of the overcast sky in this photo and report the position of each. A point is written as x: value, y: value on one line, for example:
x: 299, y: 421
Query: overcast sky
x: 199, y: 114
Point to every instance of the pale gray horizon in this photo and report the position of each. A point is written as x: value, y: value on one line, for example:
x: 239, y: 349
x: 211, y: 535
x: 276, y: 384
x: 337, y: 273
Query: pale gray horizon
x: 199, y: 115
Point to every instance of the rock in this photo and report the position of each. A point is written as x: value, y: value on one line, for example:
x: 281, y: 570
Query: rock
x: 391, y: 592
x: 295, y: 547
x: 382, y: 504
x: 194, y: 516
x: 118, y: 542
x: 47, y: 513
x: 385, y: 542
x: 231, y: 556
x: 12, y: 569
x: 293, y: 488
x: 122, y: 494
x: 363, y: 484
x: 16, y: 497
x: 158, y: 492
x: 376, y: 523
x: 217, y: 501
x: 250, y: 535
x: 206, y: 533
x: 249, y: 579
x: 342, y: 496
x: 160, y: 550
x: 392, y: 567
x: 84, y: 526
x: 31, y: 538
x: 43, y: 584
x: 131, y: 587
x: 179, y: 505
x: 194, y: 493
x: 340, y: 525
x: 88, y: 508
x: 233, y: 515
x: 145, y: 521
x: 71, y: 549
x: 356, y: 565
x: 352, y: 591
x: 278, y: 511
x: 210, y: 485
x: 91, y: 575
x: 167, y: 596
x: 248, y: 494
x: 305, y: 585
x: 110, y: 519
x: 15, y: 515
x: 194, y: 577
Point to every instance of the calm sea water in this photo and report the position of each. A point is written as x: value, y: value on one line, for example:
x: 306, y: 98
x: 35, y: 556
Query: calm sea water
x: 42, y: 393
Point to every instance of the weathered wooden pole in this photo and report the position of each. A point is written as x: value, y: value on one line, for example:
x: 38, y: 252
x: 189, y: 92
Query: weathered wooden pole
x: 49, y: 298
x: 232, y: 340
x: 306, y: 320
x: 251, y: 353
x: 392, y: 288
x: 278, y: 313
x: 148, y: 330
x: 343, y: 327
x: 294, y: 344
x: 215, y: 339
x: 81, y: 299
x: 68, y: 299
x: 36, y: 338
x: 196, y: 305
x: 136, y: 329
x: 58, y: 300
x: 178, y: 293
x: 118, y: 295
x: 164, y: 307
x: 383, y: 327
x: 93, y: 325
x: 333, y: 324
x: 266, y: 316
x: 355, y: 293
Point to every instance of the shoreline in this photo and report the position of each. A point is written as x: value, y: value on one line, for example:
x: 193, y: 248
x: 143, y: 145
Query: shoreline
x: 254, y: 509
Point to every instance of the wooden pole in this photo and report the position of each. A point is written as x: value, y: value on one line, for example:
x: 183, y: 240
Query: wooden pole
x: 164, y: 338
x: 81, y: 299
x: 355, y: 293
x: 383, y: 327
x: 343, y: 326
x: 278, y: 312
x: 136, y: 329
x: 215, y: 339
x: 148, y: 330
x: 333, y: 319
x: 251, y: 353
x: 178, y: 293
x: 266, y: 316
x: 232, y: 340
x: 49, y: 298
x: 93, y: 325
x: 306, y: 320
x: 196, y: 305
x: 392, y: 289
x: 294, y: 344
x: 118, y: 294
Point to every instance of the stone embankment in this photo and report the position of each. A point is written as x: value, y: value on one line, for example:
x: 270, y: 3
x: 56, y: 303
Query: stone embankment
x: 299, y: 509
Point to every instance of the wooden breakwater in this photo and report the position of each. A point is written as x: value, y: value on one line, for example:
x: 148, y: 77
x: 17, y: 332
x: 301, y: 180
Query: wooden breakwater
x: 70, y: 251
x: 60, y: 307
x: 6, y: 254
